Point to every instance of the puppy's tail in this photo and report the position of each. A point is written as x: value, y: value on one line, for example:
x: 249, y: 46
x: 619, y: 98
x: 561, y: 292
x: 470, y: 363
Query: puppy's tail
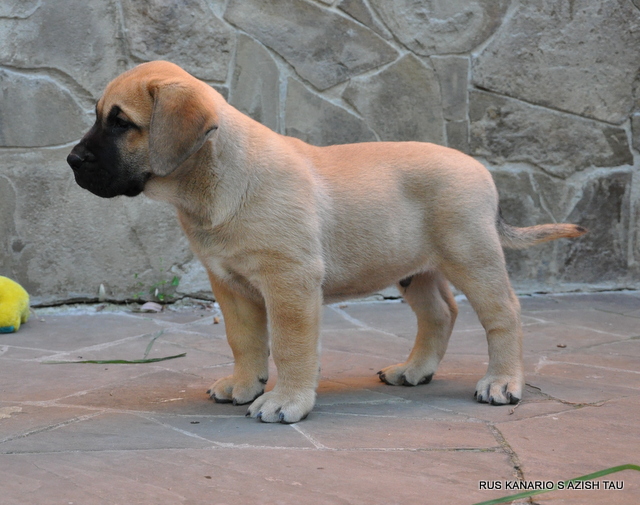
x: 521, y: 238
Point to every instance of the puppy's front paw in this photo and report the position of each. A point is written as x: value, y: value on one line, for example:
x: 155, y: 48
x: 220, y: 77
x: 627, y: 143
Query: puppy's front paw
x: 499, y: 389
x: 280, y: 406
x: 404, y: 374
x: 238, y: 392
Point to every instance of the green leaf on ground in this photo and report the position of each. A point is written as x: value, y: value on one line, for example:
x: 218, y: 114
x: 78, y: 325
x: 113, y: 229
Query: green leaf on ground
x: 115, y: 361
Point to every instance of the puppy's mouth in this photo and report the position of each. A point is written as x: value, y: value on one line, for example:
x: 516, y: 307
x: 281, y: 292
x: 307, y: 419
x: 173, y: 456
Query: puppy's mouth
x: 105, y: 184
x: 109, y: 189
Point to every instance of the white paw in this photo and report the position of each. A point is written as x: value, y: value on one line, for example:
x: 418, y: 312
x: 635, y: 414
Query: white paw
x: 500, y: 389
x: 280, y: 406
x: 405, y: 374
x: 233, y: 390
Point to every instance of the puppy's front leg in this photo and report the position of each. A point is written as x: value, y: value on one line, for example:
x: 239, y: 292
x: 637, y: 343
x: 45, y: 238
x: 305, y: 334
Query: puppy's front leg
x: 293, y: 307
x: 246, y: 326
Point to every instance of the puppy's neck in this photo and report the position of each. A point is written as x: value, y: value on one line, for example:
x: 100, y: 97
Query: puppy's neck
x: 190, y: 185
x: 210, y: 186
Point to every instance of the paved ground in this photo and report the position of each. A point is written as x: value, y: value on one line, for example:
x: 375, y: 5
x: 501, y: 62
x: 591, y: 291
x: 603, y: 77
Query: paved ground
x: 147, y: 433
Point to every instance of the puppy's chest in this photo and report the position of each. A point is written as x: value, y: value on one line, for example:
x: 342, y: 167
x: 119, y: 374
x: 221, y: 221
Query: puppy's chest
x: 236, y: 274
x: 224, y: 255
x: 222, y: 268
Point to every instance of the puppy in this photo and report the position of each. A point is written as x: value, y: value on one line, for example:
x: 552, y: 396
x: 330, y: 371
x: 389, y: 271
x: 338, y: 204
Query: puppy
x: 283, y: 227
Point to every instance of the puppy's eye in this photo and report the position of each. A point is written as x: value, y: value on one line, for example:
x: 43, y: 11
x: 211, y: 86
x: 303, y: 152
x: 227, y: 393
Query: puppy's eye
x: 121, y: 124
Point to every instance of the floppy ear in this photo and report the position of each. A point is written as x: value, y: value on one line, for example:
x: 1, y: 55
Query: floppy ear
x: 180, y: 122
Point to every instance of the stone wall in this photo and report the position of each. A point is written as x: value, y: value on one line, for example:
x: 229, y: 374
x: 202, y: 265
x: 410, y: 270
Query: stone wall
x: 546, y: 93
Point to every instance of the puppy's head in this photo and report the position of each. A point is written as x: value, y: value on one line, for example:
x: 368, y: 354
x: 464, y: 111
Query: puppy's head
x: 149, y: 121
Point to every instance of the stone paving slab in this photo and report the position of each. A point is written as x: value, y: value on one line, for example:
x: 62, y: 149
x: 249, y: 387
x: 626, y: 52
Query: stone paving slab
x: 147, y: 433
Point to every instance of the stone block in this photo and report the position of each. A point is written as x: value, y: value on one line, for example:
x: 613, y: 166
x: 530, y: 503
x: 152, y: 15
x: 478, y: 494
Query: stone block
x: 323, y: 47
x: 635, y: 230
x: 428, y: 28
x: 635, y: 131
x: 236, y: 474
x: 235, y: 430
x: 20, y: 9
x: 365, y: 432
x: 360, y: 11
x: 69, y: 333
x: 519, y: 199
x: 554, y: 444
x: 98, y: 433
x: 453, y: 74
x: 185, y: 32
x: 391, y: 317
x: 194, y: 280
x: 79, y: 41
x: 458, y: 135
x: 402, y: 102
x: 95, y: 241
x: 223, y: 90
x: 319, y: 122
x: 508, y: 130
x: 599, y: 202
x: 255, y: 87
x: 521, y: 205
x: 32, y: 105
x: 601, y: 256
x: 8, y: 237
x: 579, y: 56
x: 558, y: 196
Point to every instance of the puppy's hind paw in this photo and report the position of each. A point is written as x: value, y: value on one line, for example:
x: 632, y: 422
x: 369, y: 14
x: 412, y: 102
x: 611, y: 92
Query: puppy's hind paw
x: 499, y: 390
x: 230, y: 390
x: 405, y: 375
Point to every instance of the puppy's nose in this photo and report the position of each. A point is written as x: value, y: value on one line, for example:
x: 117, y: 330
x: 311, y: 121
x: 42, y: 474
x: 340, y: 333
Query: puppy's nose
x: 75, y: 161
x: 78, y: 156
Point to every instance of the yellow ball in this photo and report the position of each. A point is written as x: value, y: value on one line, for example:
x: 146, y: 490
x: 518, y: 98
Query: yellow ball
x: 14, y: 305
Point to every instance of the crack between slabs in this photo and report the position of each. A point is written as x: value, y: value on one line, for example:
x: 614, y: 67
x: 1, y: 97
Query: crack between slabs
x: 54, y: 402
x: 66, y: 478
x: 140, y: 413
x: 360, y: 324
x: 575, y: 115
x: 360, y: 354
x: 628, y: 314
x: 312, y: 440
x: 349, y: 317
x: 624, y: 337
x: 263, y: 448
x: 416, y: 418
x: 92, y: 490
x: 178, y: 430
x: 6, y: 348
x: 545, y: 362
x: 52, y: 427
x: 508, y: 450
x: 573, y: 404
x: 593, y: 346
x: 97, y: 347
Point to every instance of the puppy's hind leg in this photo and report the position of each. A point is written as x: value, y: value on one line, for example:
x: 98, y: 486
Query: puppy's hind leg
x: 430, y: 298
x: 479, y: 271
